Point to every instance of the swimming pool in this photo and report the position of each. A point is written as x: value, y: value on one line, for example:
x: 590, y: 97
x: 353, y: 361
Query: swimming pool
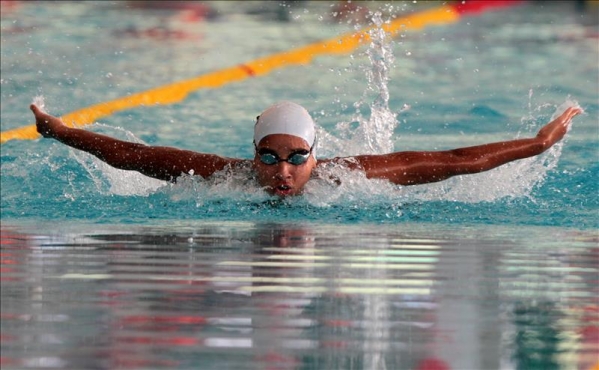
x: 106, y: 269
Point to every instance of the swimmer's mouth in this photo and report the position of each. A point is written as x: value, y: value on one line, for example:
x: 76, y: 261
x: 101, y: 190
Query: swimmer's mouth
x: 283, y: 190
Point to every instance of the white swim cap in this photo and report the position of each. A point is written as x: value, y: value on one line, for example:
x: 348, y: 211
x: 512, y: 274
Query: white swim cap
x: 285, y: 118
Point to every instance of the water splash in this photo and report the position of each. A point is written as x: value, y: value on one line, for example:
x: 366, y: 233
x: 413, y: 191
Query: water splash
x: 336, y: 184
x: 239, y: 186
x: 40, y: 102
x: 368, y: 134
x: 376, y: 131
x: 371, y: 134
x: 513, y: 180
x: 108, y: 179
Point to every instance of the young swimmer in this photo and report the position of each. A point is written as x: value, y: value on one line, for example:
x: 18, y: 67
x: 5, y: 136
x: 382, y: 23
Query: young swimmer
x: 285, y: 159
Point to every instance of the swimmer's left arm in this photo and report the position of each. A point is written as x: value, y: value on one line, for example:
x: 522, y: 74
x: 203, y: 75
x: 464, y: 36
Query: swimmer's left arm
x: 411, y: 168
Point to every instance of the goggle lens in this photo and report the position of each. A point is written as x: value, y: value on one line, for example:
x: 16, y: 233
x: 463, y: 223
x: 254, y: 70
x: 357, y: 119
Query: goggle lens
x: 296, y: 158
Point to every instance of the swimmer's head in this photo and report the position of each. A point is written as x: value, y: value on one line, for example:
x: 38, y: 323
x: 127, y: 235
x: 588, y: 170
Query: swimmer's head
x: 285, y: 118
x: 284, y: 138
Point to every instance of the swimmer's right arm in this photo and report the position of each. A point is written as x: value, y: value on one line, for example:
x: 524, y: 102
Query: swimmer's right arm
x: 163, y: 163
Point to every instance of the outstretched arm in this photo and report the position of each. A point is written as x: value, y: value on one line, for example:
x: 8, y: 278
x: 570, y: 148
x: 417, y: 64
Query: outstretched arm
x: 163, y: 163
x: 411, y: 168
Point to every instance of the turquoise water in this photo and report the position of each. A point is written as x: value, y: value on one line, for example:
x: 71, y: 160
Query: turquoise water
x: 448, y: 86
x: 109, y: 269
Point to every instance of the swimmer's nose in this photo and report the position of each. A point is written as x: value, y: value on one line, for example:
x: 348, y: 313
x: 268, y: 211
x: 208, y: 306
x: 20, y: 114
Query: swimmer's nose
x: 283, y: 170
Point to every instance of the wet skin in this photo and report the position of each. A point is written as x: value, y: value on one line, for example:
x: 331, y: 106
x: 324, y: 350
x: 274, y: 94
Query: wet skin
x: 283, y: 178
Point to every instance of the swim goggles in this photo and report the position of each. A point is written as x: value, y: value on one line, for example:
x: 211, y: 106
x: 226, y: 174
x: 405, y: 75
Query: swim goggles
x: 295, y: 158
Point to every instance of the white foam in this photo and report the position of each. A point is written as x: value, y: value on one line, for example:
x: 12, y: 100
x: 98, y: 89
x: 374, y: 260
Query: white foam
x: 115, y: 181
x: 372, y: 135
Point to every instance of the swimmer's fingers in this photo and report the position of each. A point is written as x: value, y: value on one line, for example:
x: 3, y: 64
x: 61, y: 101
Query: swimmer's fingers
x: 566, y: 117
x: 556, y: 129
x: 45, y: 123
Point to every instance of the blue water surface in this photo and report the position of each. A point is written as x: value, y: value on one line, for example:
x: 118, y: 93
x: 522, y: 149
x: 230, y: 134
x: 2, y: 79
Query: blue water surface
x: 465, y: 84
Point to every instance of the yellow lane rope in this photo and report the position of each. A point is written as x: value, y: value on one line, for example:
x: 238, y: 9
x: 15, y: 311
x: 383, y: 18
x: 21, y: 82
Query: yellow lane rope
x: 176, y: 92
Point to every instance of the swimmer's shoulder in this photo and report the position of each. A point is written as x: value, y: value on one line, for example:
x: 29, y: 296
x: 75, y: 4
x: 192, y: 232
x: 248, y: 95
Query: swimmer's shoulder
x: 348, y: 162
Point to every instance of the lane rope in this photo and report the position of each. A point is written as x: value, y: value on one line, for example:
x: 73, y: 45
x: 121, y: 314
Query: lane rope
x: 343, y: 44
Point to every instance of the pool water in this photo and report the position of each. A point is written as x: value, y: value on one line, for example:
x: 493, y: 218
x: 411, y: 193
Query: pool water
x: 104, y: 268
x: 252, y: 295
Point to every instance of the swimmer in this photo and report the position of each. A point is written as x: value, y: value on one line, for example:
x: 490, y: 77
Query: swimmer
x: 285, y: 157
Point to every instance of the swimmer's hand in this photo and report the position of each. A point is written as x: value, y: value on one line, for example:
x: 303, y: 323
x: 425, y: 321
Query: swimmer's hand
x: 555, y: 130
x: 47, y: 125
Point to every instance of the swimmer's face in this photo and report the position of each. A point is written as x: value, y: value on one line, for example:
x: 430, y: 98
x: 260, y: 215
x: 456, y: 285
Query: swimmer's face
x: 283, y: 178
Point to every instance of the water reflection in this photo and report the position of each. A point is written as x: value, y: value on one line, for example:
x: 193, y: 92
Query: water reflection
x: 272, y: 296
